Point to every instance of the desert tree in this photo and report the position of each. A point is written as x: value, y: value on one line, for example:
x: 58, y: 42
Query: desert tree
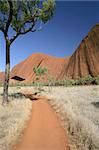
x: 21, y: 17
x: 40, y: 72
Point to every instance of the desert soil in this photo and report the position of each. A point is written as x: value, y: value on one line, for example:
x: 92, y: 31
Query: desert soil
x: 77, y: 107
x: 43, y: 131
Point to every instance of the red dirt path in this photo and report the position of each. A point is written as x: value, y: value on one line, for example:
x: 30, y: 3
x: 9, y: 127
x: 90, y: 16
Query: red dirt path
x: 44, y: 131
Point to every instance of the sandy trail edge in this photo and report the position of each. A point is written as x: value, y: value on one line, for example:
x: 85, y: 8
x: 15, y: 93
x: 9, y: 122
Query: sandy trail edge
x: 44, y: 131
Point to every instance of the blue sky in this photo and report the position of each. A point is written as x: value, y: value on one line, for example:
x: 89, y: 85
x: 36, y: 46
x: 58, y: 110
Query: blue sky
x: 60, y: 37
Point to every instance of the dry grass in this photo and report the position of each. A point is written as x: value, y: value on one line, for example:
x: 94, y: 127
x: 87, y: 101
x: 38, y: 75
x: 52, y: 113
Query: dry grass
x: 12, y: 119
x: 78, y: 108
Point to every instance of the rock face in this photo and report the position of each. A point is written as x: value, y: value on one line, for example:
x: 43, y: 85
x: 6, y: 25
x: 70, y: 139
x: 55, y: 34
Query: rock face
x: 24, y: 70
x: 1, y: 77
x: 85, y: 60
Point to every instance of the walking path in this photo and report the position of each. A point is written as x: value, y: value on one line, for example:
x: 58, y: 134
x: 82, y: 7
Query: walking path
x: 44, y: 131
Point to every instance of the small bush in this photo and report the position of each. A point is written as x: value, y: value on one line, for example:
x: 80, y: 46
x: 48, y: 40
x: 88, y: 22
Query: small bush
x: 85, y: 80
x: 96, y: 80
x: 63, y: 82
x: 89, y: 80
x: 50, y: 81
x: 68, y: 82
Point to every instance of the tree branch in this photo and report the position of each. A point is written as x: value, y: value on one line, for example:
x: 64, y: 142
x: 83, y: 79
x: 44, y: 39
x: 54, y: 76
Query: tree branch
x: 2, y: 29
x: 22, y: 33
x: 28, y: 30
x: 9, y: 18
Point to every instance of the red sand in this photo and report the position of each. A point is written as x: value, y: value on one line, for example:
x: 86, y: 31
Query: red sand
x: 44, y: 131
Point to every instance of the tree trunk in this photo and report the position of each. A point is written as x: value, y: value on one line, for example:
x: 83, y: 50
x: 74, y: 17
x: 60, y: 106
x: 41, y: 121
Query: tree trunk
x: 7, y: 75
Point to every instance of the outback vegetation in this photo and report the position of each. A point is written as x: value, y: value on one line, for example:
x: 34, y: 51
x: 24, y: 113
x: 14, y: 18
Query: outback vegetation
x: 88, y: 80
x: 78, y: 108
x: 39, y: 72
x: 75, y: 99
x: 21, y: 17
x: 13, y: 118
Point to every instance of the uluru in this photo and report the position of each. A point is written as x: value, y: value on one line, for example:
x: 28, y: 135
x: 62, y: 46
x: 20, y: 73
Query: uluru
x: 24, y: 70
x: 1, y: 77
x: 83, y: 62
x: 49, y: 75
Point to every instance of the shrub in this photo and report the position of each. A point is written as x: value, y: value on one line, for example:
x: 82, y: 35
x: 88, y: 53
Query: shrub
x: 68, y: 82
x: 40, y: 70
x: 85, y: 80
x: 63, y: 82
x: 96, y: 80
x: 89, y: 80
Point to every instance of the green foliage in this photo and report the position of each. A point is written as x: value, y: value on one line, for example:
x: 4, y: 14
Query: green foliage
x: 40, y: 70
x: 47, y: 10
x: 80, y: 81
x: 64, y: 82
x: 25, y: 14
x: 21, y: 17
x: 50, y: 80
x: 88, y: 80
x: 85, y: 80
x: 97, y: 80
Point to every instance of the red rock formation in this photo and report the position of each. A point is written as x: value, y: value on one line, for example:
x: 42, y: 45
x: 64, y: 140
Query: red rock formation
x: 1, y: 77
x: 85, y: 60
x: 25, y: 69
